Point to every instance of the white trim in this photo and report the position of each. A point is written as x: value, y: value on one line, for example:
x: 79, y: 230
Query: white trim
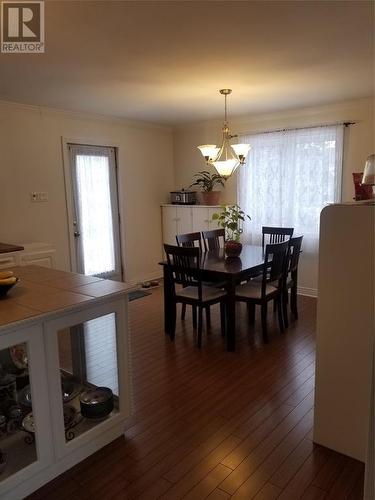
x: 90, y: 141
x: 81, y: 115
x: 308, y: 292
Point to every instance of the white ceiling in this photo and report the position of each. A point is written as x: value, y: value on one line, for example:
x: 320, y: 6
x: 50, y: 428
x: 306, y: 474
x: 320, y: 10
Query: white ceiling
x: 165, y: 61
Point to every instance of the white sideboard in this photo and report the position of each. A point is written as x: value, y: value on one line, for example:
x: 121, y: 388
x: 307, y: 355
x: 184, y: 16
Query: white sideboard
x: 181, y: 219
x: 39, y: 254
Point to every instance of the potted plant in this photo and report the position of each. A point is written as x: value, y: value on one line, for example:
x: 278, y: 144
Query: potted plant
x: 231, y: 218
x: 207, y: 182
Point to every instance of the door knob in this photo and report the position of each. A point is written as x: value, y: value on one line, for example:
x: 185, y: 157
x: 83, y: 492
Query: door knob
x: 77, y: 234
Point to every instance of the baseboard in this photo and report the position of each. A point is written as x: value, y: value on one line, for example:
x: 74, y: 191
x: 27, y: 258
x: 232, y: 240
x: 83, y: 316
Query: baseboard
x: 309, y: 292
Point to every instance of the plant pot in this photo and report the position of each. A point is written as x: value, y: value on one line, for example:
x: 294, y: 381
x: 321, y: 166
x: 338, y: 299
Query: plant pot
x: 233, y: 248
x: 210, y: 197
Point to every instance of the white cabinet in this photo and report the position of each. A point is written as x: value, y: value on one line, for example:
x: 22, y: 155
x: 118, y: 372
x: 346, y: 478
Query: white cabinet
x: 345, y: 328
x: 39, y: 254
x: 51, y: 366
x: 26, y: 449
x: 181, y: 219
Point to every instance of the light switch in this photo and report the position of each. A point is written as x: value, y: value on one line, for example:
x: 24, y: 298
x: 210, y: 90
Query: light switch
x: 38, y: 196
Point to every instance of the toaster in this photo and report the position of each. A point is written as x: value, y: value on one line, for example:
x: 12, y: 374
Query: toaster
x: 183, y: 197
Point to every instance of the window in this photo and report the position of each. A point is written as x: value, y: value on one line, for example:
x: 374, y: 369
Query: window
x: 288, y: 178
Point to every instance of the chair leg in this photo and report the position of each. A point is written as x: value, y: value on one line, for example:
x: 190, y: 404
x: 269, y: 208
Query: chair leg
x: 183, y: 311
x: 194, y: 310
x: 263, y: 313
x: 285, y: 308
x: 251, y: 312
x: 293, y: 301
x: 172, y: 321
x: 222, y: 318
x: 208, y: 317
x: 200, y: 325
x: 280, y: 313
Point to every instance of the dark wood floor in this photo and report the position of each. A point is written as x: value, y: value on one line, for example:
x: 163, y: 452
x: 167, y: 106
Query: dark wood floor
x: 216, y: 425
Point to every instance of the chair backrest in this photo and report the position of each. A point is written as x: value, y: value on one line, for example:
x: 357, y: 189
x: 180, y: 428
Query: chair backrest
x: 213, y: 239
x: 189, y: 240
x: 275, y: 259
x: 276, y: 234
x: 183, y: 266
x: 294, y: 253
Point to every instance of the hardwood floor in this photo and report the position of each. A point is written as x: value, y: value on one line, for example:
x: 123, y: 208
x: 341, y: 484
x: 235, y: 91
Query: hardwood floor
x: 212, y: 424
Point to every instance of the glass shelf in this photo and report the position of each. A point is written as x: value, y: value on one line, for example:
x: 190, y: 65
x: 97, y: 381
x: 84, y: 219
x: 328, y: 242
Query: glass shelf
x: 17, y: 446
x: 87, y: 355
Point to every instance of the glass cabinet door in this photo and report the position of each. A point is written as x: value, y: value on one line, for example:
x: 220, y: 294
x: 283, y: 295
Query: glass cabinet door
x: 25, y: 437
x: 87, y: 355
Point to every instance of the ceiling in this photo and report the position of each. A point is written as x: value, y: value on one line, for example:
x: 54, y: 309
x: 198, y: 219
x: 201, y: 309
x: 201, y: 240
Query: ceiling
x: 164, y: 61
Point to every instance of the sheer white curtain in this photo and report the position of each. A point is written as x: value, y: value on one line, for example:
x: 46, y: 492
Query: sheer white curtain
x: 93, y: 199
x: 288, y: 178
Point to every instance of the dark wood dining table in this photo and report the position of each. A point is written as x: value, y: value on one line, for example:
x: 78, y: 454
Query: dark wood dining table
x: 215, y: 266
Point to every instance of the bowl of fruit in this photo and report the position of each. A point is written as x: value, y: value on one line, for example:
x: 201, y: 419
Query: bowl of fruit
x: 7, y: 281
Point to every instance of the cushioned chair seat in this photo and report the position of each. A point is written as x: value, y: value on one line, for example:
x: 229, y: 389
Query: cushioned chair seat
x: 253, y: 290
x: 208, y: 293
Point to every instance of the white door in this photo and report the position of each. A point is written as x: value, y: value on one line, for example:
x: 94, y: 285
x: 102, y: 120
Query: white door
x: 200, y: 219
x: 95, y: 213
x: 169, y: 224
x: 212, y: 224
x: 184, y: 220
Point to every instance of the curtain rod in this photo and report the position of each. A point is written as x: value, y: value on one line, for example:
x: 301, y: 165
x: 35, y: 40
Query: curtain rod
x: 346, y: 124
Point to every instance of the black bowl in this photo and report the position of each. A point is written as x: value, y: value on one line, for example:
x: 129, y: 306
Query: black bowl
x: 4, y: 289
x: 96, y: 403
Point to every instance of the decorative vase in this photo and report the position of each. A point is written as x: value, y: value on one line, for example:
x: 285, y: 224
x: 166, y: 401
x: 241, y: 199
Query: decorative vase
x: 233, y: 248
x: 210, y: 197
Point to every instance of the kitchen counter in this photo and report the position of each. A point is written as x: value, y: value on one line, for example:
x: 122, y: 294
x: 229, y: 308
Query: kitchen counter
x: 6, y: 247
x: 61, y: 334
x: 47, y: 292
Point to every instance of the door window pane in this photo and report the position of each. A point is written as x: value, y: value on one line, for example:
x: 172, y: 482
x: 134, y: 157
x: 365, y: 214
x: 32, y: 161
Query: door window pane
x: 95, y: 214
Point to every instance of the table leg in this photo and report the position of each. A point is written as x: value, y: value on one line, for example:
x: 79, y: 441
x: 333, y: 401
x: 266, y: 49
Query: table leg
x: 231, y: 315
x: 169, y: 307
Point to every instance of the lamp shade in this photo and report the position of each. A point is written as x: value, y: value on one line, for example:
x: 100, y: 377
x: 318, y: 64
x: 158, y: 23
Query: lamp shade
x: 369, y: 171
x: 241, y: 149
x: 209, y: 150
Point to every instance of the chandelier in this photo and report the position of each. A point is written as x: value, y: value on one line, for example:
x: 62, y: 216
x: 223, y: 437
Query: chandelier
x: 228, y: 157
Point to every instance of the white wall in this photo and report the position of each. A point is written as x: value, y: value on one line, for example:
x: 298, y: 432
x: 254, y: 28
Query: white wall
x: 31, y: 160
x: 359, y: 143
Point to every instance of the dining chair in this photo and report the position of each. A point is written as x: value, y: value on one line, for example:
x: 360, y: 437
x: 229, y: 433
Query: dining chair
x: 270, y: 287
x: 291, y: 278
x: 213, y: 239
x: 184, y: 271
x: 189, y: 240
x: 276, y: 234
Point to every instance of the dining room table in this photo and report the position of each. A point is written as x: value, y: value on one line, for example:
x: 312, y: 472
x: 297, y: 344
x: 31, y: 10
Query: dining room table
x: 216, y: 266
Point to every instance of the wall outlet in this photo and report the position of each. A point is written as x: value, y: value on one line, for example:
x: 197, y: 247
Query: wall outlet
x: 38, y: 196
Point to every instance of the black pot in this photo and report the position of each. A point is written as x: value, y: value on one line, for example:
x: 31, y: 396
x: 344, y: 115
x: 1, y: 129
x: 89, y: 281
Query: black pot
x: 96, y: 403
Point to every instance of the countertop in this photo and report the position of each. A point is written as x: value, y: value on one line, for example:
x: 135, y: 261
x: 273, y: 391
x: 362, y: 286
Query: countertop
x: 47, y: 292
x: 6, y: 247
